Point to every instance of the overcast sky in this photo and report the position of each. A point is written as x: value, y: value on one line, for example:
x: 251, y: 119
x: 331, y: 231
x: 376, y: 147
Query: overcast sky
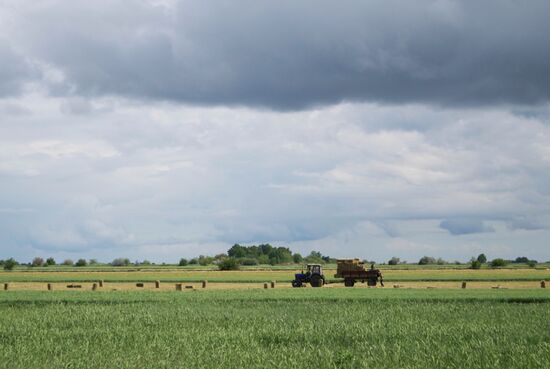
x: 161, y: 129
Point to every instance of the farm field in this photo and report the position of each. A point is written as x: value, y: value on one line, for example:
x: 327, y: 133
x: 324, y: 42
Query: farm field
x: 276, y: 328
x: 263, y: 275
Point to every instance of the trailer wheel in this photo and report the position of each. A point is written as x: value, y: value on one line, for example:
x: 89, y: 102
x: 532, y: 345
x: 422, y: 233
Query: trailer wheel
x: 316, y: 281
x: 349, y: 282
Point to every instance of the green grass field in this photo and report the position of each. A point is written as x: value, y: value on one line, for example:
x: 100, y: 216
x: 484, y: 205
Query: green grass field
x: 293, y: 328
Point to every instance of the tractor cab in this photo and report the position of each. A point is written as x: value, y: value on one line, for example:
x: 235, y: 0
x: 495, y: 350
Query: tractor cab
x: 313, y: 276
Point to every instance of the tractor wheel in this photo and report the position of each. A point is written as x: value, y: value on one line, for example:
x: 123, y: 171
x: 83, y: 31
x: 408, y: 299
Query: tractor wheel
x: 296, y: 283
x: 316, y: 281
x: 349, y: 282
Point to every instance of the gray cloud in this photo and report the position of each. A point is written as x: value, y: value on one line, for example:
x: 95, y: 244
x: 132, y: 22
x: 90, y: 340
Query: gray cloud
x: 291, y: 55
x: 465, y: 226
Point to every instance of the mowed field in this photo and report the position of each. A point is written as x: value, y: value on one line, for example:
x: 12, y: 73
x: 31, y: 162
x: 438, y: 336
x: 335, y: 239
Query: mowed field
x: 264, y: 275
x: 276, y: 328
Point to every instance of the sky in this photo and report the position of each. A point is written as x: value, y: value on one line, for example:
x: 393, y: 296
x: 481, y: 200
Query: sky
x: 165, y: 129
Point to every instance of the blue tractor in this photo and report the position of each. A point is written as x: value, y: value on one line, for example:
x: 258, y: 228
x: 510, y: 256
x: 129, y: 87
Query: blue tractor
x: 314, y: 276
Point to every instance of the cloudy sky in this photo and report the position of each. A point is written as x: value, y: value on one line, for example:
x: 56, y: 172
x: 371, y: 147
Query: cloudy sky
x: 162, y: 129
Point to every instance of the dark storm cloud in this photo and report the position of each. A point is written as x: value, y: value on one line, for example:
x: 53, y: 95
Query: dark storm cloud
x: 465, y: 226
x: 290, y: 55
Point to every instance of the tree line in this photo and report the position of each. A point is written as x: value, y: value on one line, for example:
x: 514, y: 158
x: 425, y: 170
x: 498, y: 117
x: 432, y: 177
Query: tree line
x: 264, y: 254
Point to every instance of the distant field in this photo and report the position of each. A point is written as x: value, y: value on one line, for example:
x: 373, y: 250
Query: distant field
x: 263, y: 275
x: 286, y: 328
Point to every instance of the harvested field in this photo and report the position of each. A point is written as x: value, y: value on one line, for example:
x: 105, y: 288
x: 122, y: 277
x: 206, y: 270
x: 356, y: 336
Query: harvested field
x: 280, y: 276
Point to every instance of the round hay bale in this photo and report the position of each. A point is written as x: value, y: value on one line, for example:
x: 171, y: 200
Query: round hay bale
x: 463, y: 284
x: 157, y: 284
x: 6, y: 286
x: 101, y: 283
x: 204, y: 283
x: 272, y: 284
x: 139, y: 284
x: 266, y: 285
x: 542, y: 284
x: 50, y: 287
x: 179, y: 287
x: 189, y: 287
x: 94, y: 286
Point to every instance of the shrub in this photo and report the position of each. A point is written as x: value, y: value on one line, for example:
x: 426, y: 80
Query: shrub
x: 183, y: 262
x: 68, y: 262
x: 81, y: 263
x: 229, y: 264
x: 10, y: 264
x: 37, y: 262
x: 193, y: 261
x: 532, y: 263
x: 498, y: 263
x: 50, y: 261
x: 440, y: 261
x: 475, y: 264
x: 297, y: 258
x: 93, y: 262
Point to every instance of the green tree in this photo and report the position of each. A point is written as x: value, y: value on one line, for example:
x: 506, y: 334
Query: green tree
x: 475, y: 264
x: 10, y: 264
x: 496, y: 263
x: 482, y: 258
x: 50, y: 261
x: 425, y: 260
x: 68, y: 262
x: 393, y: 261
x: 297, y: 258
x: 81, y: 263
x: 183, y: 262
x: 228, y: 264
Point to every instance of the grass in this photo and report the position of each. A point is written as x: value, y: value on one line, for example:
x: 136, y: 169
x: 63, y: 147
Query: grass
x: 261, y: 275
x: 356, y: 328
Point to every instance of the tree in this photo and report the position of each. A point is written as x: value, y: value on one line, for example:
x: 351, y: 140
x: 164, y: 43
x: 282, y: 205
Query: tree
x: 120, y: 262
x: 37, y: 262
x: 205, y: 260
x: 297, y: 258
x: 10, y: 264
x: 482, y: 258
x: 68, y: 262
x: 193, y: 261
x: 237, y: 251
x: 440, y: 261
x: 314, y: 257
x: 50, y: 261
x: 426, y: 260
x: 81, y: 263
x: 393, y: 261
x: 532, y: 263
x: 228, y: 264
x: 521, y: 259
x: 93, y: 262
x: 496, y: 263
x: 183, y: 262
x: 475, y: 264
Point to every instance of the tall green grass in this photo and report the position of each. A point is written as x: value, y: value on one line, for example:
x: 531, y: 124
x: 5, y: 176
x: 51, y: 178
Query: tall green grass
x: 276, y: 329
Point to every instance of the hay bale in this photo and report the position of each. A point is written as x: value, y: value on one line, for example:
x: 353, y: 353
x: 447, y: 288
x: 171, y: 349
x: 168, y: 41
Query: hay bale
x: 204, y: 283
x: 139, y: 284
x: 542, y: 284
x: 189, y: 287
x: 266, y: 285
x: 74, y: 286
x: 272, y: 284
x: 6, y: 286
x: 101, y: 283
x: 157, y: 284
x: 179, y: 287
x: 463, y: 284
x: 94, y: 287
x: 50, y: 287
x: 396, y: 286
